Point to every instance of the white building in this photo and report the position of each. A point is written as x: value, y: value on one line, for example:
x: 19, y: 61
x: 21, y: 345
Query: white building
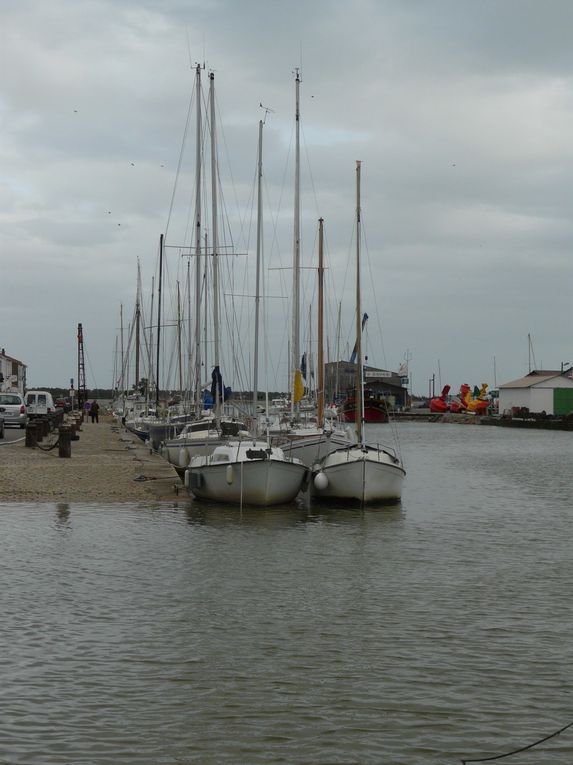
x: 12, y: 374
x: 539, y: 391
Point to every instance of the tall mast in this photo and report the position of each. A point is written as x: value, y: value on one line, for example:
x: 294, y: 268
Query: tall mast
x: 309, y: 355
x: 123, y: 385
x: 205, y: 291
x: 137, y: 323
x: 189, y: 337
x: 158, y: 320
x: 179, y: 360
x: 358, y: 398
x: 198, y: 406
x: 337, y: 379
x: 151, y: 341
x: 258, y: 272
x: 320, y: 403
x: 218, y: 392
x: 297, y: 378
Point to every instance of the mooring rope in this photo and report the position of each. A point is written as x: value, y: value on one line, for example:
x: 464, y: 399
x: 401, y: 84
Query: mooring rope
x: 521, y: 749
x: 49, y: 448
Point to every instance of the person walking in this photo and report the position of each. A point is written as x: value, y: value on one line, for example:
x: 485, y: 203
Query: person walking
x: 94, y: 411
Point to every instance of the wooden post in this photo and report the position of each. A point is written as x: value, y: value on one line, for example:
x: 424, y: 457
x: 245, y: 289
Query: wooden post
x: 31, y: 440
x: 65, y: 441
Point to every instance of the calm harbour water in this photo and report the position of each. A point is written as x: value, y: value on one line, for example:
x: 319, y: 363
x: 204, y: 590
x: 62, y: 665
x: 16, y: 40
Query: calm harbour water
x: 425, y: 633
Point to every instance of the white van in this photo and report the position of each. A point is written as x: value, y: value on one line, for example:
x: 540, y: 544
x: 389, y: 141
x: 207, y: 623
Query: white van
x: 39, y: 403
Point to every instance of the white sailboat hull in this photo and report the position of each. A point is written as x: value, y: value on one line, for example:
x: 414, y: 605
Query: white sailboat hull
x: 180, y: 453
x: 313, y: 447
x: 359, y: 473
x: 181, y: 450
x: 243, y: 480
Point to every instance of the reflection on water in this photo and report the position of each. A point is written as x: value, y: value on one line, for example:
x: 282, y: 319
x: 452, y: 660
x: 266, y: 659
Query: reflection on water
x: 182, y: 632
x: 62, y: 516
x: 211, y: 514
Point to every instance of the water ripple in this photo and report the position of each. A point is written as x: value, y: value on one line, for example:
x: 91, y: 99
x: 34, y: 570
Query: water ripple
x: 423, y: 633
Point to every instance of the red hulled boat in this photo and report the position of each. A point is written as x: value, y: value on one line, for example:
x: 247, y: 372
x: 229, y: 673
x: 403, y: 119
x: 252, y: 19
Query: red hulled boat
x: 375, y: 409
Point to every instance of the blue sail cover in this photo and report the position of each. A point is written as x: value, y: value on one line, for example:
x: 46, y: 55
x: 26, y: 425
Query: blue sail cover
x: 217, y: 384
x: 353, y: 357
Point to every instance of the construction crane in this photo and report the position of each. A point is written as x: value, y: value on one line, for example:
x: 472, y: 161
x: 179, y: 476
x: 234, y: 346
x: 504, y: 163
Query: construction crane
x: 82, y: 392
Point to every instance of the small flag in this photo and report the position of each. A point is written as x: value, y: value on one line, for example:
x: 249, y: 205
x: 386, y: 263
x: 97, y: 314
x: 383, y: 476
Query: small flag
x: 298, y: 388
x: 353, y: 357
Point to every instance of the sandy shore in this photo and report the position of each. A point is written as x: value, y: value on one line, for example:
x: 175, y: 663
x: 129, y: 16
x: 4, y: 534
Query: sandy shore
x: 108, y: 464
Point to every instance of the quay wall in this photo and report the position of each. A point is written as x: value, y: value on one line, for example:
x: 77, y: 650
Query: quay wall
x: 107, y: 464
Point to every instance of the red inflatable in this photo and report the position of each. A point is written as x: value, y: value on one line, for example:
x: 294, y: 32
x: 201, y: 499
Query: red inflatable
x: 440, y: 404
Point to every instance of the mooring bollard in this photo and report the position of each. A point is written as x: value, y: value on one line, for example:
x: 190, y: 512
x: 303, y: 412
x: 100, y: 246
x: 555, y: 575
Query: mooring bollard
x: 31, y: 440
x: 65, y: 441
x: 39, y: 430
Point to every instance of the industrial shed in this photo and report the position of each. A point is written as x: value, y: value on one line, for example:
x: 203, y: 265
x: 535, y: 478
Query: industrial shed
x: 539, y: 391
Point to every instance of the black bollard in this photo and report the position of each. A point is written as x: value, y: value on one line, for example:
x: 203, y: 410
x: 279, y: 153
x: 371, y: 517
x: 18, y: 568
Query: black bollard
x: 31, y: 440
x: 65, y: 441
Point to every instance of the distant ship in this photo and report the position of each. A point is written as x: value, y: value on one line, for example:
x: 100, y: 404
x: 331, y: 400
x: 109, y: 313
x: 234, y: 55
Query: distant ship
x: 375, y: 409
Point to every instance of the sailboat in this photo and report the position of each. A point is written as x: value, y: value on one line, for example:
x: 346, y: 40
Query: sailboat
x: 248, y: 472
x: 198, y: 432
x: 305, y: 440
x: 363, y: 472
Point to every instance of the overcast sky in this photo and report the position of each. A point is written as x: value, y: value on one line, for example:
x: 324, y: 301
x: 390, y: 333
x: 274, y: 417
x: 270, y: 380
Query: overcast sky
x: 461, y: 112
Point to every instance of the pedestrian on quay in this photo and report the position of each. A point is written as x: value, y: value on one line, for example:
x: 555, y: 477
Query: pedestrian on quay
x: 94, y: 411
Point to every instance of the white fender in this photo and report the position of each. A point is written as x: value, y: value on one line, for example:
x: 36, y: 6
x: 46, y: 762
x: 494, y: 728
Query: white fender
x: 321, y: 481
x: 229, y: 474
x: 183, y: 457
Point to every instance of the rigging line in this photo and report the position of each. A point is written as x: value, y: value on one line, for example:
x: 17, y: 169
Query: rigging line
x: 91, y: 369
x: 180, y: 160
x: 393, y: 424
x: 521, y: 749
x: 311, y: 176
x: 222, y: 136
x: 350, y: 337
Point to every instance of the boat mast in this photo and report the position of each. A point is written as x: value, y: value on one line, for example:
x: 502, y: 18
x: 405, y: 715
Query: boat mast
x: 205, y: 291
x: 337, y: 379
x: 189, y: 364
x: 137, y: 323
x: 158, y: 320
x: 198, y: 405
x: 308, y: 370
x: 297, y: 378
x: 123, y: 385
x: 320, y: 403
x: 151, y: 340
x: 179, y: 360
x: 215, y: 245
x: 258, y: 271
x: 358, y: 417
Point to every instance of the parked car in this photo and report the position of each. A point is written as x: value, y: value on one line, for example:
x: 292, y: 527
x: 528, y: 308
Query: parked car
x: 13, y: 409
x: 39, y: 403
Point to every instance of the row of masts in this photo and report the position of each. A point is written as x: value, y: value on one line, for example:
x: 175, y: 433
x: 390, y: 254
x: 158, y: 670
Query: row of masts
x: 196, y: 251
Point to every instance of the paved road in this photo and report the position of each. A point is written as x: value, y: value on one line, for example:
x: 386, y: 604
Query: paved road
x: 12, y: 434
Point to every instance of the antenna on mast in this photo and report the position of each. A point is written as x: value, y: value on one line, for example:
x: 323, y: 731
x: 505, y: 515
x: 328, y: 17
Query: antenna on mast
x: 267, y: 111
